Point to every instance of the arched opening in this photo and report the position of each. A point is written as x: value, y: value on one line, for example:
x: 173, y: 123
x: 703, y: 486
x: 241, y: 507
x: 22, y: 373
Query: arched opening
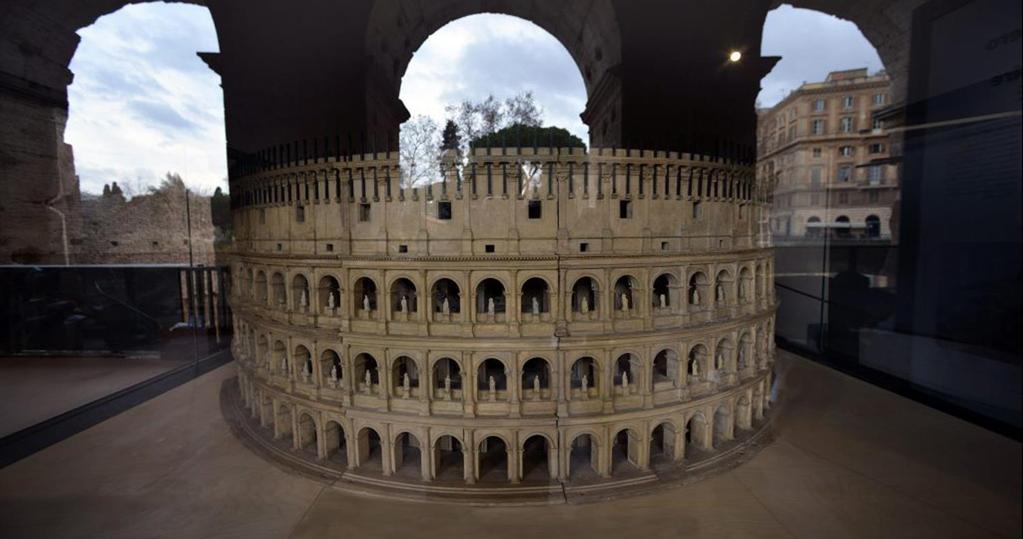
x: 583, y: 379
x: 492, y: 380
x: 447, y: 377
x: 697, y: 289
x: 405, y: 376
x: 723, y: 356
x: 261, y: 288
x: 745, y: 286
x: 665, y: 292
x: 535, y: 296
x: 722, y: 426
x: 743, y: 358
x: 408, y: 456
x: 280, y: 359
x: 624, y: 451
x: 843, y: 227
x: 307, y: 434
x: 448, y: 459
x: 300, y: 294
x: 743, y: 415
x: 584, y: 296
x: 665, y: 369
x: 447, y: 298
x: 331, y: 368
x: 813, y: 227
x: 626, y: 373
x: 369, y: 456
x: 535, y: 459
x: 583, y: 458
x: 304, y: 362
x: 662, y: 443
x: 696, y: 428
x: 873, y: 227
x: 493, y: 460
x: 329, y: 295
x: 536, y: 374
x: 279, y: 290
x: 263, y: 358
x: 721, y: 287
x: 403, y: 299
x: 625, y: 293
x: 249, y: 289
x: 335, y: 443
x: 367, y: 376
x: 364, y: 294
x: 697, y: 367
x: 490, y: 299
x: 266, y: 413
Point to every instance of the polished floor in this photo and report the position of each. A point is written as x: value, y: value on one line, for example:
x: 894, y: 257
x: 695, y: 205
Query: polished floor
x: 850, y: 460
x: 34, y: 389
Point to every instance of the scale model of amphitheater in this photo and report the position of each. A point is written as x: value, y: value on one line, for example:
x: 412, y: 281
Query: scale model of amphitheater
x: 537, y: 322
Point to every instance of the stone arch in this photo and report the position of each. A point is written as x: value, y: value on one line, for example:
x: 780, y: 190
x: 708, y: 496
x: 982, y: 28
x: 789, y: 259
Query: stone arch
x: 282, y: 421
x: 722, y: 426
x: 584, y: 295
x: 448, y: 458
x: 364, y: 294
x: 490, y: 290
x: 446, y: 289
x: 665, y: 291
x: 536, y: 376
x: 403, y: 292
x: 331, y: 367
x: 537, y: 450
x: 407, y: 455
x: 662, y: 442
x: 626, y: 370
x: 493, y: 462
x: 665, y: 368
x: 584, y: 456
x: 744, y: 357
x: 743, y: 413
x: 280, y: 359
x: 625, y: 450
x: 249, y: 289
x: 280, y: 292
x: 335, y: 442
x: 300, y: 293
x: 447, y: 376
x: 584, y: 377
x: 745, y: 291
x: 304, y: 362
x: 366, y: 363
x: 723, y: 355
x: 697, y: 366
x: 626, y: 292
x: 492, y: 367
x: 263, y: 351
x: 401, y: 367
x: 329, y: 294
x: 368, y: 449
x: 536, y: 289
x: 872, y: 226
x: 696, y: 432
x: 307, y: 429
x: 262, y: 290
x: 697, y: 292
x: 722, y: 282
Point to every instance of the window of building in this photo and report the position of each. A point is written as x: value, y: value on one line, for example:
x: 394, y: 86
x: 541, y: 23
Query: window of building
x: 534, y: 209
x: 583, y: 247
x: 817, y: 127
x: 664, y: 244
x: 444, y: 210
x: 843, y: 198
x: 848, y: 102
x: 815, y: 199
x: 844, y: 173
x: 696, y: 210
x: 879, y: 99
x: 875, y: 173
x: 819, y: 105
x: 877, y: 124
x: 262, y: 216
x: 877, y: 148
x: 330, y: 247
x: 815, y: 176
x: 873, y: 196
x: 625, y: 209
x: 489, y: 248
x: 403, y: 248
x: 846, y: 151
x: 300, y: 214
x: 816, y: 152
x: 364, y: 212
x: 846, y: 124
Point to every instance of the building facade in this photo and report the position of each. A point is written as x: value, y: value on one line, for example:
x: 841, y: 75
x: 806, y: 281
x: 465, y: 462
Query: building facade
x: 831, y: 159
x: 537, y: 319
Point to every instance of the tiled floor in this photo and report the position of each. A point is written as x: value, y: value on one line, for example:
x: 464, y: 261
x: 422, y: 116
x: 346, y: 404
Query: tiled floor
x: 850, y: 460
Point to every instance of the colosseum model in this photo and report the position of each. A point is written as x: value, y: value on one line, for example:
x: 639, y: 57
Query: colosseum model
x: 537, y: 322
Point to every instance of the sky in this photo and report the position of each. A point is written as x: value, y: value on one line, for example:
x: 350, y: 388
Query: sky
x: 142, y: 103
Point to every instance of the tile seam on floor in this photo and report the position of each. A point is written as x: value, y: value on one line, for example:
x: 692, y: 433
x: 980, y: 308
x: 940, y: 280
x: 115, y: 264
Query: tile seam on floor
x: 895, y: 489
x: 308, y: 509
x: 762, y: 504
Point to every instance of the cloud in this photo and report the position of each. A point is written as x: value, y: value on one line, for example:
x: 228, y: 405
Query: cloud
x: 161, y: 114
x: 811, y: 44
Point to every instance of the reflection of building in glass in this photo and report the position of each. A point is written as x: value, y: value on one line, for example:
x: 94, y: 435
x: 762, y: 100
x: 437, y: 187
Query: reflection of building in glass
x: 831, y: 158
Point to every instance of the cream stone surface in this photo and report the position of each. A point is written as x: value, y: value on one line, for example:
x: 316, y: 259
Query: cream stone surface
x: 849, y: 460
x: 575, y: 314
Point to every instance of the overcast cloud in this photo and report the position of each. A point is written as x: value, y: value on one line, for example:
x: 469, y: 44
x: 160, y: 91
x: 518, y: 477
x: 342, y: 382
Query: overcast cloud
x: 143, y: 104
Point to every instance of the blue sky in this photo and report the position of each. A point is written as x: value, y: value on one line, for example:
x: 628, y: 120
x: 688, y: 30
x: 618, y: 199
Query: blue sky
x: 143, y: 104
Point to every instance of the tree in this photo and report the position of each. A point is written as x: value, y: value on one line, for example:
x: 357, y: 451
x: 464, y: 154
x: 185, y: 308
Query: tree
x: 450, y: 139
x: 419, y: 150
x: 476, y: 119
x: 529, y: 135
